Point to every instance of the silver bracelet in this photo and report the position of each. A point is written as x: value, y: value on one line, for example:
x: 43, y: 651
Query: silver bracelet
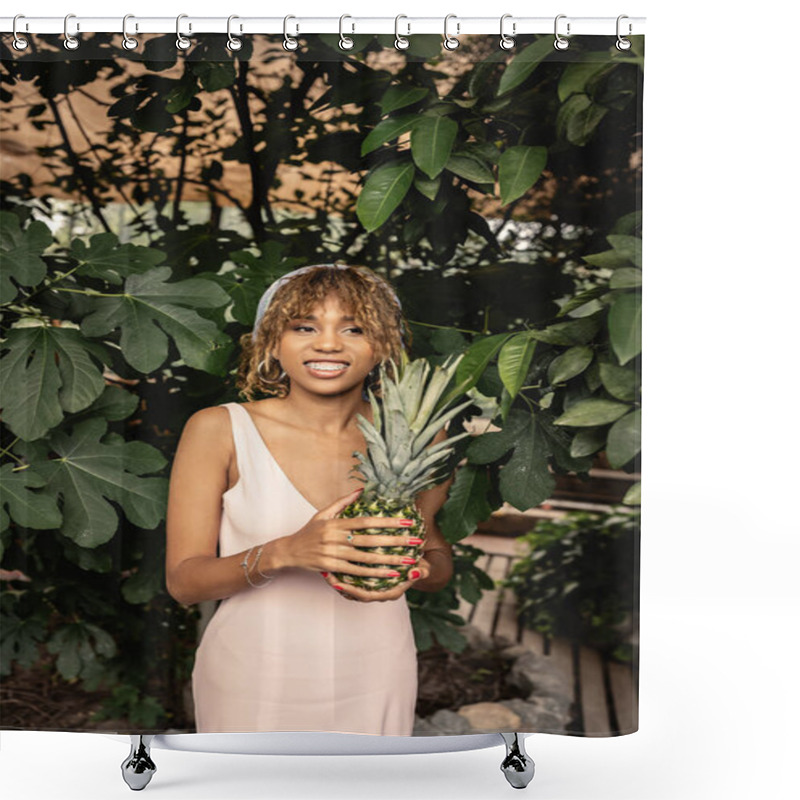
x: 244, y: 565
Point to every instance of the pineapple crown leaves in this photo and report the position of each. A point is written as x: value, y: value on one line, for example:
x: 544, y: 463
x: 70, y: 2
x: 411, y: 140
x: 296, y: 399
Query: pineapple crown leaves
x: 397, y: 461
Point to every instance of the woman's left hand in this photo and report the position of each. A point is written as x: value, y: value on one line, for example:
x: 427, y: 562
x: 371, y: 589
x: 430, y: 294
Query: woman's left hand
x: 418, y: 572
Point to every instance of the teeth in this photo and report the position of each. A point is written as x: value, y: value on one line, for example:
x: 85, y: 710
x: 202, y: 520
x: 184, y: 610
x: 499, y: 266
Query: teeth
x: 327, y: 367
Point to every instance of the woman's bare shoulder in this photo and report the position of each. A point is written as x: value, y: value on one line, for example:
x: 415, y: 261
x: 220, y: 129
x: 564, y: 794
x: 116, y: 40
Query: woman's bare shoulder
x: 211, y: 425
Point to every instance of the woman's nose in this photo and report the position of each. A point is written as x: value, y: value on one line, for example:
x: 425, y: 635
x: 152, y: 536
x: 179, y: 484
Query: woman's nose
x: 329, y: 338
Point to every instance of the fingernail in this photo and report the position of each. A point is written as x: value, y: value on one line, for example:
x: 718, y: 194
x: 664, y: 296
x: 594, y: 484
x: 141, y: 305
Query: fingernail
x: 415, y: 541
x: 340, y: 588
x: 392, y: 574
x: 414, y: 574
x: 409, y: 560
x: 324, y: 574
x: 406, y: 523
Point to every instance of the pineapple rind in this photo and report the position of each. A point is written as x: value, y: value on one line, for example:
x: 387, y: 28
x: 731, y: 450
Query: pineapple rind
x: 379, y: 507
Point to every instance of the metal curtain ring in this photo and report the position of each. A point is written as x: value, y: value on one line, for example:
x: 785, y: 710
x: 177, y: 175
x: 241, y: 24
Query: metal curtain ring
x: 20, y: 42
x: 400, y: 42
x: 345, y: 42
x: 450, y: 42
x: 182, y: 43
x: 233, y: 43
x: 560, y: 42
x: 288, y: 42
x: 128, y: 42
x: 622, y: 43
x: 70, y: 42
x: 507, y: 42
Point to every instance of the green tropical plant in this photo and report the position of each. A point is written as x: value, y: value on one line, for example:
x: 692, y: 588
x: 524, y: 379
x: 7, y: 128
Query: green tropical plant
x: 578, y: 579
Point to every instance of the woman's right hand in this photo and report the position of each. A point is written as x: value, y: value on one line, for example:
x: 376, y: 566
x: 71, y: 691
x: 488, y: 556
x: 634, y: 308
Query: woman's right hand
x: 321, y: 545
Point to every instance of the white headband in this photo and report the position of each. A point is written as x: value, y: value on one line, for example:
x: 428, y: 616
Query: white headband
x: 266, y: 298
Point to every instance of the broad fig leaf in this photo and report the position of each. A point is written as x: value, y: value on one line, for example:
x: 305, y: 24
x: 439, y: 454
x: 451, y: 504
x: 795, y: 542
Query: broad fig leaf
x: 20, y: 254
x: 253, y: 274
x: 47, y: 371
x: 93, y: 471
x: 150, y: 310
x: 526, y: 481
x: 27, y: 508
x: 490, y: 447
x: 114, y: 403
x: 104, y: 257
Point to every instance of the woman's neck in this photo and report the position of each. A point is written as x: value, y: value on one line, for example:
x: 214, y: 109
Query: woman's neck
x: 333, y: 415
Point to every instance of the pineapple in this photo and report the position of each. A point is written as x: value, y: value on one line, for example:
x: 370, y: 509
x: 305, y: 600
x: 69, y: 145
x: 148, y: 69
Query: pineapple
x: 398, y: 463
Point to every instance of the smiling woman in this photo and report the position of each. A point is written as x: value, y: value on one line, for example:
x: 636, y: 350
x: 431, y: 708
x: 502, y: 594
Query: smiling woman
x: 257, y: 496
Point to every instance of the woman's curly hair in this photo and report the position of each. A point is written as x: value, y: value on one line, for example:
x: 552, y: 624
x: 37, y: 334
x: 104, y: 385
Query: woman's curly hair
x: 366, y: 295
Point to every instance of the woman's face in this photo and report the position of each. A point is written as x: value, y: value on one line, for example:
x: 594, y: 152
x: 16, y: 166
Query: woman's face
x: 326, y: 351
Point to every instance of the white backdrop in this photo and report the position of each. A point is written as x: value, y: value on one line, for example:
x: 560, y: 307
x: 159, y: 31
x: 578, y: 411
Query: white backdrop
x: 719, y: 690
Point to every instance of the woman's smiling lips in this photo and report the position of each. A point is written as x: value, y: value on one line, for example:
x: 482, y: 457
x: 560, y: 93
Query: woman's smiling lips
x: 325, y: 368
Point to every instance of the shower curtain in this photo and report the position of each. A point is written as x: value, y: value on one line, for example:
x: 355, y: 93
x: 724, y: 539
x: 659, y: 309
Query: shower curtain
x: 151, y: 195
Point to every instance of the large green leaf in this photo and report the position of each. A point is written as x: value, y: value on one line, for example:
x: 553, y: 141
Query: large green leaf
x: 383, y: 191
x: 626, y: 278
x: 624, y: 439
x: 578, y: 118
x: 387, y: 130
x: 621, y: 382
x: 20, y: 254
x: 629, y: 247
x: 27, y: 508
x: 524, y: 63
x: 489, y: 447
x: 47, y: 371
x: 472, y: 366
x: 104, y: 257
x: 625, y: 326
x: 151, y: 310
x: 569, y: 364
x: 467, y: 503
x: 592, y: 411
x: 526, y: 481
x: 432, y: 142
x: 92, y: 472
x: 514, y: 362
x: 401, y: 96
x: 471, y: 168
x: 254, y: 272
x: 587, y: 441
x: 575, y: 332
x: 519, y: 168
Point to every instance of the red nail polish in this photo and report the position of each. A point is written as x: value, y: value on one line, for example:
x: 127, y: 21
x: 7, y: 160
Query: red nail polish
x: 392, y: 574
x: 409, y: 560
x: 414, y: 574
x: 340, y: 588
x: 407, y: 523
x: 415, y: 541
x: 324, y: 574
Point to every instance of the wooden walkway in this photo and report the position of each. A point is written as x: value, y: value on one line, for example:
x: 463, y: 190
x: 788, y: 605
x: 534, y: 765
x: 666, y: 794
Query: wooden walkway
x: 604, y: 692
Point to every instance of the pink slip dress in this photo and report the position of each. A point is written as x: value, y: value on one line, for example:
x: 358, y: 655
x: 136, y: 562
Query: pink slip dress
x: 294, y: 655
